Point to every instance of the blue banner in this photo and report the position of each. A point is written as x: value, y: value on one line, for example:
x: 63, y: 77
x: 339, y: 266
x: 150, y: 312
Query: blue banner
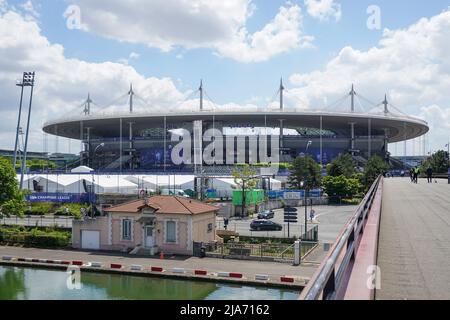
x: 61, y: 197
x: 276, y: 194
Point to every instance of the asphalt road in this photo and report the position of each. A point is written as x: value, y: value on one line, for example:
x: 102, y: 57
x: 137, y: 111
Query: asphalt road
x: 331, y: 220
x: 414, y: 241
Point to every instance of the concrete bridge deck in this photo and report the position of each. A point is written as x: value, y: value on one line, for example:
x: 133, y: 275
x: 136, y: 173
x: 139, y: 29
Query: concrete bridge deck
x: 414, y: 240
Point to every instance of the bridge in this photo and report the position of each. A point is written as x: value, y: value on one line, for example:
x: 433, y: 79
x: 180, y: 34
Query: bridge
x: 396, y: 246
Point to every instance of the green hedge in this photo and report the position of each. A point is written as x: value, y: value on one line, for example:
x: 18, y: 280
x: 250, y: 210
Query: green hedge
x: 40, y: 209
x: 73, y: 209
x: 46, y: 238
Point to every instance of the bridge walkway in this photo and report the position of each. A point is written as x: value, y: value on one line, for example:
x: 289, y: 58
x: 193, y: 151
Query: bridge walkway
x: 414, y: 240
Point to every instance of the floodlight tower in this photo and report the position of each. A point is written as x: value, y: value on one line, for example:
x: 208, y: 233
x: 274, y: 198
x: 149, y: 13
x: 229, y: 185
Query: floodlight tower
x: 28, y: 81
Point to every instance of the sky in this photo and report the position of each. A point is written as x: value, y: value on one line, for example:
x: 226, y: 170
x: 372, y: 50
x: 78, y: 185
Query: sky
x: 239, y: 48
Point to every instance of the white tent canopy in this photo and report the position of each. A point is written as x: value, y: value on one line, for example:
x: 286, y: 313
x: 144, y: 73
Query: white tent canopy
x: 129, y: 184
x: 82, y: 169
x: 111, y: 184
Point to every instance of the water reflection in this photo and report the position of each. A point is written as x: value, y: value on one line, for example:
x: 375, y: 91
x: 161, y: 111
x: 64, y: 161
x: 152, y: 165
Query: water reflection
x: 12, y: 283
x: 34, y: 284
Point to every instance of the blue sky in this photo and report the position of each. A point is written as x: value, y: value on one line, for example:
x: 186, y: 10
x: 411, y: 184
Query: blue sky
x: 228, y: 80
x: 319, y: 47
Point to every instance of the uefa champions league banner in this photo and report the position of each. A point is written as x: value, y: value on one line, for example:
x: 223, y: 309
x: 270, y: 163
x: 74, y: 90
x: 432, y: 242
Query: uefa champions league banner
x: 61, y: 197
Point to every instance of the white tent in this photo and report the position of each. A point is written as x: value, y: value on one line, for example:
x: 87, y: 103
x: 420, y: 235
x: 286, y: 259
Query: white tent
x: 166, y: 181
x: 63, y: 183
x: 27, y: 181
x: 275, y: 184
x: 82, y: 169
x: 111, y: 184
x: 223, y: 186
x: 141, y: 182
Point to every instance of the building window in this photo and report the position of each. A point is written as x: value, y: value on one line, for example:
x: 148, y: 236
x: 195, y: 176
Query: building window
x: 210, y: 227
x: 171, y: 232
x: 126, y: 229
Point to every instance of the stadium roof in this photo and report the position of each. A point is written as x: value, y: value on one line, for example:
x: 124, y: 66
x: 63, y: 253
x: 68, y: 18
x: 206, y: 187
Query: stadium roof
x: 398, y: 127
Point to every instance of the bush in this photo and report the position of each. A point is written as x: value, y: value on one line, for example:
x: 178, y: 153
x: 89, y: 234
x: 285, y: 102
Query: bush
x: 70, y: 209
x: 40, y: 209
x: 341, y: 187
x: 47, y: 238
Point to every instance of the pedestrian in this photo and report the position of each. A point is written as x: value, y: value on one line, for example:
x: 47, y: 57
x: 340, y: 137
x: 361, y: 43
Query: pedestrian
x: 312, y: 214
x: 429, y: 174
x: 411, y: 174
x: 416, y: 174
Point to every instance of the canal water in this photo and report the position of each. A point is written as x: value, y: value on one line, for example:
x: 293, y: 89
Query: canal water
x: 39, y: 284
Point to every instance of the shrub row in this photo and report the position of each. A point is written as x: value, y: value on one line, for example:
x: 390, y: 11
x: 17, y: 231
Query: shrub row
x: 35, y: 237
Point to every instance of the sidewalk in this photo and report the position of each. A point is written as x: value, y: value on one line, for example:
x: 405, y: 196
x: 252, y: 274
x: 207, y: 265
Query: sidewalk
x: 248, y: 268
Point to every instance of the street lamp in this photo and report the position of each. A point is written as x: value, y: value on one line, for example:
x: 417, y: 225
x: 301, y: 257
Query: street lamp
x: 307, y: 146
x: 95, y: 150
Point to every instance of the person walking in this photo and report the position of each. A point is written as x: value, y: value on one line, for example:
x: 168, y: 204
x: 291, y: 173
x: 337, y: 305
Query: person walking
x: 416, y: 174
x: 430, y: 175
x: 411, y: 174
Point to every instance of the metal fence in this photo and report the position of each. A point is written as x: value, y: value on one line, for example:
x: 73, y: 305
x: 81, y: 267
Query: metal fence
x: 261, y: 251
x: 312, y: 234
x: 38, y: 221
x: 295, y: 230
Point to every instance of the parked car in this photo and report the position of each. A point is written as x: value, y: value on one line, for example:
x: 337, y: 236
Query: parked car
x: 265, y: 225
x: 268, y: 214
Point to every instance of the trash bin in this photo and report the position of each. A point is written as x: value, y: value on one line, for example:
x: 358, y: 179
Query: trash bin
x: 202, y: 252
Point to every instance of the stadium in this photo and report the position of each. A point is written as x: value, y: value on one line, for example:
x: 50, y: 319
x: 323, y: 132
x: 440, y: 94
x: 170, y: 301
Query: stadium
x: 142, y: 141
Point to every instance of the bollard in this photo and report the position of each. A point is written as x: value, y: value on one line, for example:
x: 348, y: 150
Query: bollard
x: 297, y: 253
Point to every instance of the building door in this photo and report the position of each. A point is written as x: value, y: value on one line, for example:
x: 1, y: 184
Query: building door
x: 90, y: 239
x: 149, y: 239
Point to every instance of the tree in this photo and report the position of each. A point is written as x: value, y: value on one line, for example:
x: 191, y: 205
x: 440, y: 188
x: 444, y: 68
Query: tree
x: 341, y: 187
x: 246, y: 178
x: 342, y: 165
x: 307, y: 170
x: 373, y: 168
x: 438, y: 162
x: 11, y: 199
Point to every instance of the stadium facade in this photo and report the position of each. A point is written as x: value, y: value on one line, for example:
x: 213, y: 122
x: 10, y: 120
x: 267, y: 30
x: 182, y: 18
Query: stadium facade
x: 141, y: 141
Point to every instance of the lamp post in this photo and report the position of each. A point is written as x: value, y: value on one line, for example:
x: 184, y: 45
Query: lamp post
x: 307, y: 146
x: 101, y: 145
x: 303, y: 185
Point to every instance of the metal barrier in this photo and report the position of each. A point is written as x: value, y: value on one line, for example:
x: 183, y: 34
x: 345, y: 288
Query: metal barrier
x: 328, y: 280
x: 258, y: 251
x: 38, y: 221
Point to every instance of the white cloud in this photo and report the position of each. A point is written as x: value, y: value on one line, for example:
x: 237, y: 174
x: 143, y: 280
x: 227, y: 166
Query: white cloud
x: 219, y: 25
x: 412, y: 65
x: 62, y: 83
x: 280, y: 35
x: 29, y: 8
x: 323, y: 9
x: 134, y: 56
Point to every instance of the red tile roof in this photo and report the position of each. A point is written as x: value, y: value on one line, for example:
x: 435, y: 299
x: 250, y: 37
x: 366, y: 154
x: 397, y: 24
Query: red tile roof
x: 165, y: 204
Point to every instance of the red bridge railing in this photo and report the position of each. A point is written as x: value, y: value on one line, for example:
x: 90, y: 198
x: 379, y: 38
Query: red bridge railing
x: 330, y: 279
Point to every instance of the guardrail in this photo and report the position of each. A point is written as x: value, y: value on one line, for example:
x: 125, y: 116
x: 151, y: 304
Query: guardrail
x: 329, y: 278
